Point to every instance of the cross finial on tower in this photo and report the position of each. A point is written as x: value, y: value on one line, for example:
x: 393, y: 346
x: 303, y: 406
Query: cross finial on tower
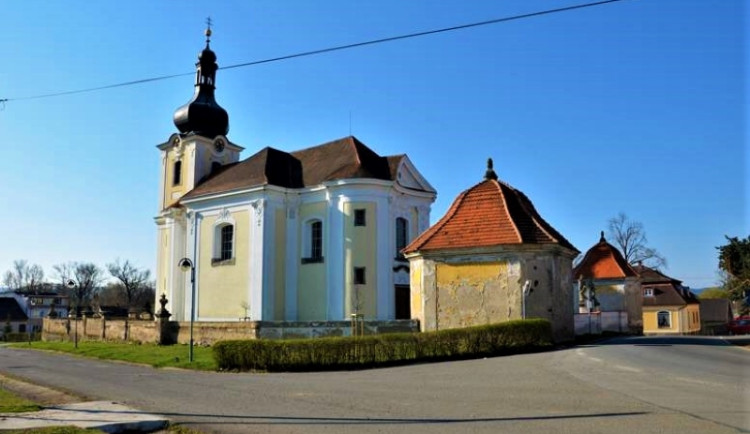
x: 208, y: 30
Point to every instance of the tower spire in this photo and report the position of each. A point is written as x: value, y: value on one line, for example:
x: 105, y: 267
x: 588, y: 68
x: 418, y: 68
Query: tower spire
x: 490, y: 173
x: 202, y: 115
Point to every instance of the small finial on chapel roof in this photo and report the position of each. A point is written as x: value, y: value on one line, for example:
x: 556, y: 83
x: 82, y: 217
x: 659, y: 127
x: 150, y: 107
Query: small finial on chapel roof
x: 602, y: 240
x: 490, y: 173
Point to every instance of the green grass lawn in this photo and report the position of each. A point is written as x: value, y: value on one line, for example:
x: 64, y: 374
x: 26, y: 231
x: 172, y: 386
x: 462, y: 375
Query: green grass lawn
x: 11, y: 403
x: 154, y: 355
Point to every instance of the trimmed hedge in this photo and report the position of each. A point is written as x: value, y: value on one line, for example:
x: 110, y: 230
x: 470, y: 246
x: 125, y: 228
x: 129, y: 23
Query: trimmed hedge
x: 382, y: 350
x: 21, y: 337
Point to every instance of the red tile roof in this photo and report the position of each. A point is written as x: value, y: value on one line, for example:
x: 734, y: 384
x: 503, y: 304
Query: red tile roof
x: 492, y: 213
x: 603, y: 261
x: 345, y: 158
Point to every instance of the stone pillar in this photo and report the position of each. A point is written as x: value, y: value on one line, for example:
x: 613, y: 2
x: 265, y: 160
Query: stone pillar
x: 162, y: 317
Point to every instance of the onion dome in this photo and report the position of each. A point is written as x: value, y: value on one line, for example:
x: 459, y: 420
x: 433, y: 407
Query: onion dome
x: 202, y: 115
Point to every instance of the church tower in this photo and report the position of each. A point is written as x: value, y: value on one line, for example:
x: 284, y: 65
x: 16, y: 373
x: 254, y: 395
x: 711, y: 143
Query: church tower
x: 188, y: 157
x: 201, y: 146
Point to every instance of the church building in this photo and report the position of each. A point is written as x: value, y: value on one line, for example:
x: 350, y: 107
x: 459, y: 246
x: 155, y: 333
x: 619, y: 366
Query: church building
x: 308, y: 235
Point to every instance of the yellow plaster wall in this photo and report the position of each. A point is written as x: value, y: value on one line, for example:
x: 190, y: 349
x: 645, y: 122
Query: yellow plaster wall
x: 415, y: 283
x: 280, y: 264
x: 223, y: 288
x: 311, y: 278
x: 169, y: 188
x: 650, y: 320
x: 473, y: 294
x: 360, y: 251
x: 693, y: 318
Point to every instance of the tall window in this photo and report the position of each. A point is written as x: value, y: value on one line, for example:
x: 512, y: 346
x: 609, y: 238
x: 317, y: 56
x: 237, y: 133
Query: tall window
x: 359, y: 276
x: 177, y: 173
x: 227, y: 238
x: 316, y: 240
x: 402, y: 235
x: 663, y: 319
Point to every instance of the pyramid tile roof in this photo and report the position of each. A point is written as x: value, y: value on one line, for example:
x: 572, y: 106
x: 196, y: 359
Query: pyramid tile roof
x: 603, y: 261
x: 491, y: 213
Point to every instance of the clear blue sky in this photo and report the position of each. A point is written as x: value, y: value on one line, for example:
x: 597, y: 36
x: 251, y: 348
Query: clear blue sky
x: 637, y: 106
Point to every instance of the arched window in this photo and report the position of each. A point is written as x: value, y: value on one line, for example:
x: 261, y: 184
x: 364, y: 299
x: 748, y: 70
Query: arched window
x: 227, y: 242
x: 313, y: 243
x: 223, y: 243
x: 402, y: 236
x: 663, y: 319
x: 177, y: 173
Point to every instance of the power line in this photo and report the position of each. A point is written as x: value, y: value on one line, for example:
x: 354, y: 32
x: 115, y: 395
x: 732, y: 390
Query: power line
x: 321, y: 51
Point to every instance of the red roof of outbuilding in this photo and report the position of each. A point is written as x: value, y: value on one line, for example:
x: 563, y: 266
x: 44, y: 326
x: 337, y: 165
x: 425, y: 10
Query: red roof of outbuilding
x: 492, y: 213
x: 603, y: 261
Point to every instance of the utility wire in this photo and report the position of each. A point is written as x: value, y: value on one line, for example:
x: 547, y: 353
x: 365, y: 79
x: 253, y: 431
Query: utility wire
x: 321, y: 51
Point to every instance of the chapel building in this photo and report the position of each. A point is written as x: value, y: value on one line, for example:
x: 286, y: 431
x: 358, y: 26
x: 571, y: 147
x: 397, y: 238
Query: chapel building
x: 308, y: 235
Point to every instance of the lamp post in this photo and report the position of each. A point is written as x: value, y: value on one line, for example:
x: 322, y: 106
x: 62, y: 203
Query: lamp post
x: 70, y: 284
x: 186, y: 265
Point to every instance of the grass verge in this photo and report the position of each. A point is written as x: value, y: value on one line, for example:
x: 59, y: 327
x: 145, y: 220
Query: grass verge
x: 174, y: 356
x: 12, y: 403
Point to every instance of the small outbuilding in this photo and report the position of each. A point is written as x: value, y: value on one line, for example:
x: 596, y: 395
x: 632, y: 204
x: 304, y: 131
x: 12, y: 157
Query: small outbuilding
x: 609, y: 285
x: 491, y: 258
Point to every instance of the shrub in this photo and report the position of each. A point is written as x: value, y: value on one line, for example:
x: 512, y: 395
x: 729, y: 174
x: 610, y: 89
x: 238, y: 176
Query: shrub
x: 382, y: 350
x: 21, y: 337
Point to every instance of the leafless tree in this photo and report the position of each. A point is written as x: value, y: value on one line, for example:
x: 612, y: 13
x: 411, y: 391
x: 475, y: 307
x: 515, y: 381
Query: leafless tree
x: 630, y: 237
x: 24, y: 277
x: 132, y: 281
x: 85, y: 278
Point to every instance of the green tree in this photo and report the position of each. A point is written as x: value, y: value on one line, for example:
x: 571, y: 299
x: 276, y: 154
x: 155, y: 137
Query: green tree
x: 734, y: 259
x: 714, y: 292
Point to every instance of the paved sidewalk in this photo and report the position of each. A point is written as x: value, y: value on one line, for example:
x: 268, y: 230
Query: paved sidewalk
x: 106, y: 416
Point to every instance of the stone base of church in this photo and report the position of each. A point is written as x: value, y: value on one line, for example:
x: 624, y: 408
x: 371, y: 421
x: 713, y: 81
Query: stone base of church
x: 207, y: 333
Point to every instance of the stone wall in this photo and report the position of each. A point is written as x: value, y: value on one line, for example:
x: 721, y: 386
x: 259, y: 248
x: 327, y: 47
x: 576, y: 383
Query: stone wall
x: 207, y: 333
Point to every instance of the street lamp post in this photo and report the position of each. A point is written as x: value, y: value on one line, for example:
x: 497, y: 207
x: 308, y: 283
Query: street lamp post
x: 186, y: 265
x: 70, y: 284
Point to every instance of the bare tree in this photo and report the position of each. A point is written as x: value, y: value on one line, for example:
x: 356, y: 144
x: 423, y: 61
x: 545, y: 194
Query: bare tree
x: 85, y: 278
x: 24, y: 277
x: 132, y: 281
x: 630, y: 237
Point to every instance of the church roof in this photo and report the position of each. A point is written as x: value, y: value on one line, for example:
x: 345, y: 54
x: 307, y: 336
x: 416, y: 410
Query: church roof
x: 603, y: 261
x: 345, y: 158
x: 491, y: 213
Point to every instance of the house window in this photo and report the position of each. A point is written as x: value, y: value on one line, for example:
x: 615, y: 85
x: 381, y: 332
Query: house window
x: 402, y: 236
x: 314, y: 242
x: 663, y: 319
x: 177, y: 173
x: 359, y: 217
x: 359, y: 275
x: 648, y: 292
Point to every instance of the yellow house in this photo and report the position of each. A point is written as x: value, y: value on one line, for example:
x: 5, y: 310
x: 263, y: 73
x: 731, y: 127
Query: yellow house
x: 668, y: 306
x: 309, y: 235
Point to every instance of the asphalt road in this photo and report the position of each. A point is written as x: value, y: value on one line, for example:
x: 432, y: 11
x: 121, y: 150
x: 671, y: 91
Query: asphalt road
x: 645, y: 385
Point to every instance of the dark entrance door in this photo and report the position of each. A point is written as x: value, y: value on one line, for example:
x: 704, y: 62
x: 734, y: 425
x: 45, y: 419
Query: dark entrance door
x: 403, y: 302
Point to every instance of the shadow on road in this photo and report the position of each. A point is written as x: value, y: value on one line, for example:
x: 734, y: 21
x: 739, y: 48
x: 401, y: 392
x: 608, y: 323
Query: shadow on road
x: 668, y: 341
x: 220, y: 419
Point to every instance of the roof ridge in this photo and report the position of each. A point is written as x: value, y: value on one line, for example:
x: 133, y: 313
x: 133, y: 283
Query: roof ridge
x: 534, y: 214
x: 513, y: 224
